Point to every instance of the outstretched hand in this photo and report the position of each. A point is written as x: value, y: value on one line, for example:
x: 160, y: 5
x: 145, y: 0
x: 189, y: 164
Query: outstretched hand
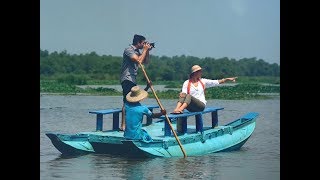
x: 233, y: 79
x: 163, y: 112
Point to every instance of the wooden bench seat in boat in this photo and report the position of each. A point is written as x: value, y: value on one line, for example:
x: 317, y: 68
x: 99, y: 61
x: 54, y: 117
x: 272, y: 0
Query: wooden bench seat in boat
x: 183, y: 118
x: 115, y: 117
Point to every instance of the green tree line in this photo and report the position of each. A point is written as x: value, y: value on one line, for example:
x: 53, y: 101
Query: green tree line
x: 92, y: 66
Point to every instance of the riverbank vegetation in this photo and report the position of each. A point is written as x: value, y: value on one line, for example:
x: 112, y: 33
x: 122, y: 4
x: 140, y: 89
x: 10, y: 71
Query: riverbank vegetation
x: 62, y: 73
x: 236, y: 92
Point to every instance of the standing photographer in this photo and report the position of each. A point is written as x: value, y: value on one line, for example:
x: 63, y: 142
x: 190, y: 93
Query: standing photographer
x: 130, y: 63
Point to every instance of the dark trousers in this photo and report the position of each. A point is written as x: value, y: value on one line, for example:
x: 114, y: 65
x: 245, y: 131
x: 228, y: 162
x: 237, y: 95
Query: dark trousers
x: 126, y: 88
x: 194, y: 104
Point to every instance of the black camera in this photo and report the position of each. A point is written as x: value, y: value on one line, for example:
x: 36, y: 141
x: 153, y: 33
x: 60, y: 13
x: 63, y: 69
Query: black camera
x: 151, y: 44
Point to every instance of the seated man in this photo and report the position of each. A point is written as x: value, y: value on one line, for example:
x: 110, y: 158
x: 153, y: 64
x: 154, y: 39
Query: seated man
x: 134, y: 115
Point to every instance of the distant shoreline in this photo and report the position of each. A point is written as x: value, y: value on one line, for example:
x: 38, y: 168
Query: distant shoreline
x: 156, y: 87
x: 91, y: 94
x: 226, y: 91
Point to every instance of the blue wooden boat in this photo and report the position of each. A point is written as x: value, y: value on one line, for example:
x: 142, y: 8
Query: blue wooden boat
x: 76, y: 144
x: 195, y: 139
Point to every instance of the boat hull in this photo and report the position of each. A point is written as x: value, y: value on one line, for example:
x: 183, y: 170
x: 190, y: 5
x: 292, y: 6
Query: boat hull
x: 228, y: 137
x: 71, y: 144
x: 211, y: 141
x: 218, y: 139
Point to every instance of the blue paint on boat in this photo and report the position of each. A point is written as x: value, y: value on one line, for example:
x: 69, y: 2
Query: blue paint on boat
x: 195, y: 139
x: 75, y: 144
x: 71, y: 144
x: 221, y: 138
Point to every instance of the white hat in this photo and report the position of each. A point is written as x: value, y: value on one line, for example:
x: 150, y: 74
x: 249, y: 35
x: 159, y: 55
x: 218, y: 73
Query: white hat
x: 195, y: 68
x: 136, y: 94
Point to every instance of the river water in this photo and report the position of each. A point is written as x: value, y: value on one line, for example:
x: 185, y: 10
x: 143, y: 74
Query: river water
x: 258, y: 159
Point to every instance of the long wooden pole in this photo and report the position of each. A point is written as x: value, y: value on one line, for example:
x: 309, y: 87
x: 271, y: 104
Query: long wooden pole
x: 161, y: 107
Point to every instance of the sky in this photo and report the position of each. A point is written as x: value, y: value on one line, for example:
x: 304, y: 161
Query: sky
x: 204, y: 28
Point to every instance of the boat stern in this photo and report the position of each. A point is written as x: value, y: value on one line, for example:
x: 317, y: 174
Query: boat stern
x: 71, y: 144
